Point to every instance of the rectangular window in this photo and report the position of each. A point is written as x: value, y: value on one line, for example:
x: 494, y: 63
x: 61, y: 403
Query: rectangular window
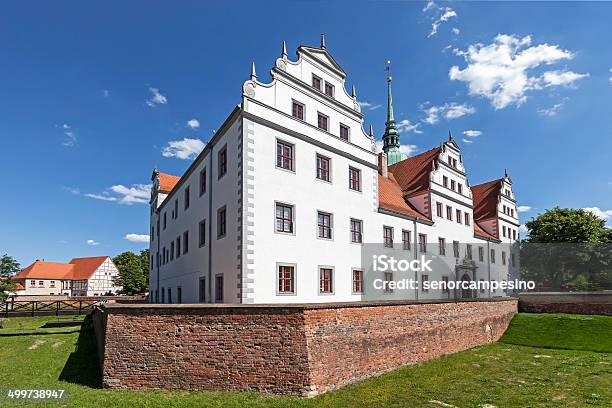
x: 460, y: 188
x: 458, y: 213
x: 445, y: 181
x: 52, y: 284
x: 344, y: 132
x: 449, y: 212
x: 354, y: 179
x: 388, y: 236
x: 439, y: 210
x: 297, y: 110
x: 423, y: 243
x: 329, y: 89
x: 284, y: 155
x: 456, y: 249
x: 163, y: 293
x: 324, y: 224
x: 202, y: 290
x: 219, y: 288
x: 178, y: 247
x: 425, y: 278
x: 286, y: 279
x: 406, y: 239
x: 221, y: 222
x: 222, y: 161
x: 387, y: 278
x: 357, y: 281
x: 202, y: 233
x: 185, y: 242
x: 322, y: 121
x: 284, y: 218
x: 169, y: 295
x: 165, y: 220
x: 356, y: 231
x: 481, y: 254
x: 492, y: 256
x: 453, y: 185
x: 316, y: 82
x: 513, y: 234
x: 172, y: 250
x: 179, y: 295
x: 323, y: 167
x: 326, y: 280
x: 468, y: 250
x: 33, y: 283
x: 467, y: 218
x: 503, y: 257
x: 186, y: 198
x: 176, y: 208
x: 203, y: 181
x: 504, y: 231
x: 442, y: 246
x: 445, y: 284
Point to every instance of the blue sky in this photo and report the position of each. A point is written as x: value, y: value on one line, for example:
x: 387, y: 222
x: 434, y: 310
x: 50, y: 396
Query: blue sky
x: 92, y: 95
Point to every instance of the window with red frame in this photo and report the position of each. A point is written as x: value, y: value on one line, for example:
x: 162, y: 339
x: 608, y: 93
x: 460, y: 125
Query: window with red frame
x: 322, y: 168
x: 423, y: 243
x: 325, y: 280
x: 354, y: 179
x: 344, y: 132
x: 458, y: 216
x: 284, y: 218
x: 388, y: 236
x: 357, y: 281
x: 445, y: 181
x: 456, y: 249
x: 324, y: 225
x: 222, y: 162
x: 297, y: 110
x: 323, y: 121
x: 449, y: 212
x: 329, y: 89
x: 316, y: 82
x: 406, y: 239
x: 286, y: 279
x: 439, y: 210
x: 284, y: 155
x: 356, y: 231
x: 442, y: 246
x: 467, y: 218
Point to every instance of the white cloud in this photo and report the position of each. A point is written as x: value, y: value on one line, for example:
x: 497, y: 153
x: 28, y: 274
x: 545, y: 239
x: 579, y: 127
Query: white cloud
x: 71, y: 137
x: 140, y: 238
x: 472, y: 133
x: 468, y: 141
x: 603, y: 214
x: 185, y: 149
x: 552, y: 111
x: 405, y: 149
x: 72, y: 190
x: 193, y: 124
x: 443, y: 15
x: 92, y: 242
x: 610, y: 79
x: 523, y: 229
x: 407, y: 126
x: 523, y: 208
x: 448, y: 110
x: 370, y: 106
x: 429, y: 6
x: 500, y: 71
x: 135, y: 194
x: 105, y: 93
x: 456, y: 31
x: 156, y: 98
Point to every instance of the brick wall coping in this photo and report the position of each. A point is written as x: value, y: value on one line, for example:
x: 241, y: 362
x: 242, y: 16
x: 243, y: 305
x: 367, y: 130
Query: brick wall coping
x: 113, y: 308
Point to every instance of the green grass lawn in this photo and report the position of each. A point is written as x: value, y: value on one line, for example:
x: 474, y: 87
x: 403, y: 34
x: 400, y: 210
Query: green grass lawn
x: 544, y: 360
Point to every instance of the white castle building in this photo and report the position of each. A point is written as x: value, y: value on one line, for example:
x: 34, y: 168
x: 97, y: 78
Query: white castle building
x: 289, y: 199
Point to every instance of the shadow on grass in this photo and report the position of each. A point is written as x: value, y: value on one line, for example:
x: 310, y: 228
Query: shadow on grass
x: 82, y: 364
x: 36, y: 333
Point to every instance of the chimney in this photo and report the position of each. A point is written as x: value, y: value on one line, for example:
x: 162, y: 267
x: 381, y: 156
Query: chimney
x: 382, y: 164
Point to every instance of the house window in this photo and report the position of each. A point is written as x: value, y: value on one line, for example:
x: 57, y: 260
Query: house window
x: 178, y: 247
x: 458, y: 213
x: 286, y: 279
x: 163, y: 293
x: 222, y: 161
x: 456, y: 249
x: 165, y: 220
x: 172, y: 250
x: 203, y: 181
x: 513, y: 234
x: 175, y: 209
x: 329, y: 89
x: 422, y: 243
x: 406, y: 239
x: 425, y: 278
x: 202, y: 233
x: 219, y: 288
x: 316, y: 82
x: 439, y: 210
x: 354, y: 179
x: 442, y: 246
x: 467, y: 218
x: 445, y: 284
x: 32, y: 283
x: 221, y: 222
x: 344, y: 132
x: 186, y: 198
x: 52, y: 284
x: 326, y: 280
x: 387, y: 278
x: 492, y: 256
x: 185, y: 242
x: 356, y: 228
x: 297, y: 110
x: 468, y: 249
x: 179, y: 295
x: 202, y: 290
x: 453, y: 185
x: 322, y: 121
x: 169, y: 295
x: 445, y: 181
x: 503, y: 257
x: 449, y: 212
x: 284, y: 218
x: 357, y: 281
x: 324, y: 223
x: 504, y: 231
x: 388, y: 236
x: 323, y: 167
x: 460, y: 188
x: 284, y: 155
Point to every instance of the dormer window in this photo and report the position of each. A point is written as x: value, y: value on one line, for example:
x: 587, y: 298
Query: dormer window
x: 316, y: 82
x: 329, y: 89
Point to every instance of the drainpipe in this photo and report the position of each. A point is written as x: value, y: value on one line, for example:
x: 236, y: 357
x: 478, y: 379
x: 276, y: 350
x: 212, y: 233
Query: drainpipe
x: 210, y: 222
x: 489, y: 264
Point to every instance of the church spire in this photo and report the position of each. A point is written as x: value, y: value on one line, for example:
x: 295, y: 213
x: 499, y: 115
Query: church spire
x: 391, y: 143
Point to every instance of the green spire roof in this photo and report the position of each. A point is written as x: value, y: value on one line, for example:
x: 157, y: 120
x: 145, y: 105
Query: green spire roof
x: 391, y: 142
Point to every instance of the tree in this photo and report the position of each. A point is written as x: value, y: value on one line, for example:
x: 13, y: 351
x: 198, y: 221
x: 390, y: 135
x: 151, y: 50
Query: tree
x: 8, y: 268
x: 568, y: 248
x: 133, y: 272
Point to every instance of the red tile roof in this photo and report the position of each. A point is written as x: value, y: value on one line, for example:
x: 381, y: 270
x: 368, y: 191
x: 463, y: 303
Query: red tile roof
x: 167, y: 182
x: 485, y: 198
x: 77, y: 269
x: 390, y: 198
x: 412, y: 174
x: 480, y: 232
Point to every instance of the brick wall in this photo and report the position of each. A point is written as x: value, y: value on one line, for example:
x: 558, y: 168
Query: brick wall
x: 289, y: 349
x: 566, y: 302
